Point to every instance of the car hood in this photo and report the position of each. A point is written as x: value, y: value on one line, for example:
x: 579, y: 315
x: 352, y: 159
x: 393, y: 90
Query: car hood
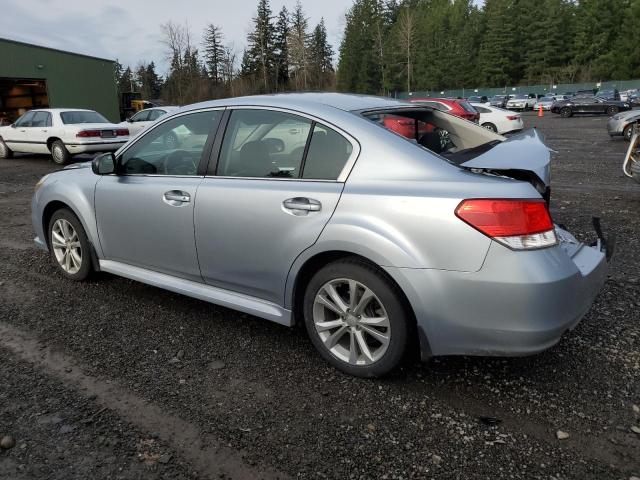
x: 524, y: 152
x: 629, y: 114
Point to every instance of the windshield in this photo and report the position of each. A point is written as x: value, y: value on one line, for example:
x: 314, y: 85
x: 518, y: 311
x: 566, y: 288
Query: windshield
x: 498, y: 97
x: 519, y: 96
x: 82, y: 116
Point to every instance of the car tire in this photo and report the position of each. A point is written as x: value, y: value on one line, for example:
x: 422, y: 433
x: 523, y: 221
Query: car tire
x: 627, y: 132
x: 59, y: 153
x: 490, y: 126
x: 5, y: 151
x: 612, y: 110
x: 69, y: 245
x: 351, y: 340
x: 565, y: 112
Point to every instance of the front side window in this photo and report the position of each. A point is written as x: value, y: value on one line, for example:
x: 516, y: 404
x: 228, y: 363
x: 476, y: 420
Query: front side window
x: 82, y: 116
x: 140, y: 116
x: 41, y: 119
x: 25, y: 120
x: 263, y: 144
x: 172, y: 148
x: 155, y: 114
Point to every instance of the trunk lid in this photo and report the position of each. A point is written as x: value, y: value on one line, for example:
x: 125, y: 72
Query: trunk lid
x: 523, y: 156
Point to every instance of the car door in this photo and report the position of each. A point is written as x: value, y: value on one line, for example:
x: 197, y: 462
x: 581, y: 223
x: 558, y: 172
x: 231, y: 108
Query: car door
x: 268, y: 199
x: 144, y: 213
x: 38, y: 132
x: 16, y: 137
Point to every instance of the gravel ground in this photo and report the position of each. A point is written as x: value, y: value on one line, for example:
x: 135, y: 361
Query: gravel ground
x: 115, y: 379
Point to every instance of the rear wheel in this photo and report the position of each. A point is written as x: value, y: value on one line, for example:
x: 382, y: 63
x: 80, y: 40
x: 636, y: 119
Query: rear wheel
x: 490, y: 126
x: 59, y: 153
x: 5, y: 152
x: 612, y: 110
x: 565, y: 112
x: 355, y: 318
x: 69, y: 245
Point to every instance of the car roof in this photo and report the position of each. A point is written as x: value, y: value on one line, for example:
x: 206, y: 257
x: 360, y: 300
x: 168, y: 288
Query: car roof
x: 308, y: 102
x: 60, y: 110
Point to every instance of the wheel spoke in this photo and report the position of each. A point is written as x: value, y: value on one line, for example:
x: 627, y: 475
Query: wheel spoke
x: 329, y: 304
x: 335, y: 296
x: 331, y: 341
x: 362, y: 343
x: 381, y: 337
x: 57, y: 237
x: 366, y: 297
x: 75, y: 245
x: 57, y: 244
x: 353, y: 349
x: 77, y: 259
x: 67, y: 260
x: 374, y: 321
x: 324, y: 326
x: 353, y: 294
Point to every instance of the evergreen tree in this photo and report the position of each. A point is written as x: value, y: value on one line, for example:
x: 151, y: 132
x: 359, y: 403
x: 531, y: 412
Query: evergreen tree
x: 496, y: 58
x: 259, y: 58
x: 127, y: 82
x: 628, y: 47
x: 213, y: 52
x: 320, y: 57
x: 281, y: 44
x: 299, y: 47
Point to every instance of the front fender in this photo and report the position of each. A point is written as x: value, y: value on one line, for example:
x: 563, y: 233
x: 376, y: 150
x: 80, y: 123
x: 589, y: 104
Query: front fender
x: 75, y: 189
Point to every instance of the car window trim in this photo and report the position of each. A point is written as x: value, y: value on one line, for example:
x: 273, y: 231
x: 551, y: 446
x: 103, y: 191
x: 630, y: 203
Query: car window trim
x: 207, y: 147
x: 344, y: 174
x: 306, y: 149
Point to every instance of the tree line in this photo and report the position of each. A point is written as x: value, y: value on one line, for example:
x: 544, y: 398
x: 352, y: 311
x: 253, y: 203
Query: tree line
x: 408, y: 45
x: 283, y: 53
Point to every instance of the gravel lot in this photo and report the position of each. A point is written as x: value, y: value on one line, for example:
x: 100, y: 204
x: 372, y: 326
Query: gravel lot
x: 115, y: 379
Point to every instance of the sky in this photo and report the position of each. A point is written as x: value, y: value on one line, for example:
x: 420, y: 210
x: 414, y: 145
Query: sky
x: 130, y: 30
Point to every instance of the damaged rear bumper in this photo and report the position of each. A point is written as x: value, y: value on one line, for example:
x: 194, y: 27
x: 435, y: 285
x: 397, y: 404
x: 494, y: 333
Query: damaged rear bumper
x: 518, y: 303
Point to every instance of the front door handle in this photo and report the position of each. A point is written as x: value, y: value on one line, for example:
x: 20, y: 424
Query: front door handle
x: 301, y: 205
x: 176, y: 197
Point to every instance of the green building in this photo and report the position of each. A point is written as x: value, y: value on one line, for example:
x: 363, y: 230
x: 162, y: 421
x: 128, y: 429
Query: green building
x: 39, y: 77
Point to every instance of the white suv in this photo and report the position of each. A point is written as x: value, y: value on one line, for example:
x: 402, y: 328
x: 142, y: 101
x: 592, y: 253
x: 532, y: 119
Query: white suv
x: 144, y: 118
x: 61, y: 132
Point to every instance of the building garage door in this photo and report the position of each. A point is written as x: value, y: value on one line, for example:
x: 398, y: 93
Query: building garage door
x: 17, y: 95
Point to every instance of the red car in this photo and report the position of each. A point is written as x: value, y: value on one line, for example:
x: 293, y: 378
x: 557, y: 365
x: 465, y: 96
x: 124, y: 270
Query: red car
x: 454, y: 106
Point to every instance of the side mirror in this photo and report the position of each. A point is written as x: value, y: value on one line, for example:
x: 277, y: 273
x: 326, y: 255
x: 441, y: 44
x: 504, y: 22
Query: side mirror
x: 13, y: 125
x: 104, y: 164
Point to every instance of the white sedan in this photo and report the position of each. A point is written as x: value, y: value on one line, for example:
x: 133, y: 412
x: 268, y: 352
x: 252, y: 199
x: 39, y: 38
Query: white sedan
x: 144, y: 118
x: 61, y: 132
x: 497, y: 119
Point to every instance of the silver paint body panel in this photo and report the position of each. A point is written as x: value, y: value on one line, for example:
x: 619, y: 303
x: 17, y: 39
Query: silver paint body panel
x: 234, y: 244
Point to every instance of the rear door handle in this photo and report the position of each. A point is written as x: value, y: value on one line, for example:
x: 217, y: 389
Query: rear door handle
x: 302, y: 205
x: 176, y: 197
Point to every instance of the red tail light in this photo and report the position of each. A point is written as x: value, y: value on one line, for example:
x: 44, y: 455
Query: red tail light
x: 88, y: 133
x: 512, y: 117
x: 122, y: 132
x: 518, y: 224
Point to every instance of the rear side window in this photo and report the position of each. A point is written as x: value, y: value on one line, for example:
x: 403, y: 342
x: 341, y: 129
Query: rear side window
x: 467, y: 107
x: 41, y: 119
x: 328, y: 154
x: 263, y: 144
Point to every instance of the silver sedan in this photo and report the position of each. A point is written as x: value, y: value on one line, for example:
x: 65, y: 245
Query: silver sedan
x: 378, y: 224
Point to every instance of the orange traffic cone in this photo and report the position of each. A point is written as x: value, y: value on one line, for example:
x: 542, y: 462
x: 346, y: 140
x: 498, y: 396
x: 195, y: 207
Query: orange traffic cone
x: 540, y: 112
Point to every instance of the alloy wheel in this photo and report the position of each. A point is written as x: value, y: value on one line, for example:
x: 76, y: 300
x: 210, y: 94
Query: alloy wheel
x: 58, y: 154
x: 351, y: 322
x: 66, y: 246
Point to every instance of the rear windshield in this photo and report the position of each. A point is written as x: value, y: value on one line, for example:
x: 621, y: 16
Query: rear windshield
x: 520, y: 96
x: 72, y: 118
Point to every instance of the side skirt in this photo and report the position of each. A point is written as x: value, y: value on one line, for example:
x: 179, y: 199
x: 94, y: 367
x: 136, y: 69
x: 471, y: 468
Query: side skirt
x: 201, y: 291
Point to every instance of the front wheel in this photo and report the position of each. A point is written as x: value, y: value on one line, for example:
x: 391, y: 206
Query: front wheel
x: 69, y: 245
x: 490, y: 126
x: 627, y: 133
x: 355, y: 318
x: 5, y: 152
x: 59, y: 153
x: 565, y: 112
x: 612, y: 110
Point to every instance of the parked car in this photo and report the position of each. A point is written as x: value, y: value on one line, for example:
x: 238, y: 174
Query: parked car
x: 588, y: 92
x: 609, y: 94
x: 634, y: 99
x: 621, y: 124
x: 144, y: 118
x: 458, y: 107
x: 547, y: 101
x: 498, y: 120
x: 625, y: 94
x: 589, y: 104
x: 521, y: 101
x: 303, y: 207
x: 61, y: 132
x: 499, y: 101
x: 478, y: 99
